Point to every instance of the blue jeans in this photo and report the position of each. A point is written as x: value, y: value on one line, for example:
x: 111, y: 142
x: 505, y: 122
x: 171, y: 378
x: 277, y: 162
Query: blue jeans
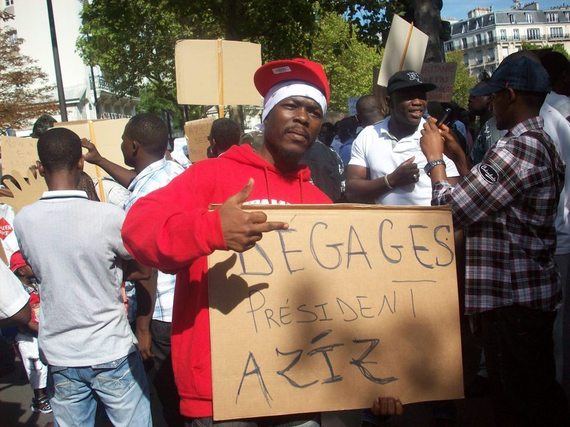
x: 121, y: 387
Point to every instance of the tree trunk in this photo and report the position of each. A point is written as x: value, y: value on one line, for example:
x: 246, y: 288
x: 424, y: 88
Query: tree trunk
x: 427, y: 17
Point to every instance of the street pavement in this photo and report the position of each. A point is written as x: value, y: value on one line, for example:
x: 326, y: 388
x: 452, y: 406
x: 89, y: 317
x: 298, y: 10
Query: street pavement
x: 15, y: 400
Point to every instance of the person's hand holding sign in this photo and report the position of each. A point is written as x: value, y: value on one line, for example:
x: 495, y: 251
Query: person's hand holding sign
x: 243, y: 229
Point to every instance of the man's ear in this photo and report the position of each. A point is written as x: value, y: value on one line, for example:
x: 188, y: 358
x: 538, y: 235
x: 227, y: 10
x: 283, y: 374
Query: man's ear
x: 80, y: 163
x: 135, y: 146
x: 512, y: 94
x: 40, y: 168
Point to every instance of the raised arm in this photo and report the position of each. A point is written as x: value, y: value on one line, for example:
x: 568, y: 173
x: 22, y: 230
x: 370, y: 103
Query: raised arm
x: 120, y: 174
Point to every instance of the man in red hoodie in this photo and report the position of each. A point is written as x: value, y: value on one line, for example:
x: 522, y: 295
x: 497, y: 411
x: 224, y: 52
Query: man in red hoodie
x: 174, y: 230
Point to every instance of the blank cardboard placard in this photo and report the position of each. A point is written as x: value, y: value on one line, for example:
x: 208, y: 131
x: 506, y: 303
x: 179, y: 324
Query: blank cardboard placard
x: 405, y: 50
x: 106, y: 137
x: 197, y: 132
x: 18, y: 154
x: 442, y: 74
x: 349, y: 303
x: 216, y: 72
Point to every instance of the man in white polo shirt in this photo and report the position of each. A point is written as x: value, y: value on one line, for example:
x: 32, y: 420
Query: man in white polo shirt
x: 386, y: 165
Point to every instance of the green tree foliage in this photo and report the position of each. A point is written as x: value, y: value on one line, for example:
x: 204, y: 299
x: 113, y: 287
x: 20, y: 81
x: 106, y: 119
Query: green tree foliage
x: 463, y: 81
x: 132, y: 41
x: 347, y: 61
x: 24, y: 91
x: 557, y: 47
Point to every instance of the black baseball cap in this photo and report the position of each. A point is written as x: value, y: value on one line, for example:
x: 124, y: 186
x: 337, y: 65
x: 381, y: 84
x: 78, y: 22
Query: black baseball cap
x: 406, y: 79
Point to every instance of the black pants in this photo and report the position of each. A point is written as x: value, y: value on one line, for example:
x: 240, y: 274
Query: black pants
x: 160, y: 375
x: 520, y: 361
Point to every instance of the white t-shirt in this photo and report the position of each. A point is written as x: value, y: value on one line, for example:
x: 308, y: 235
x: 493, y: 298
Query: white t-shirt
x: 7, y: 234
x: 376, y: 149
x: 558, y: 128
x: 12, y: 294
x: 560, y: 102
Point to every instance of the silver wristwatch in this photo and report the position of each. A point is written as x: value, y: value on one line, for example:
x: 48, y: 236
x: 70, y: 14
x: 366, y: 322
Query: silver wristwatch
x: 432, y: 164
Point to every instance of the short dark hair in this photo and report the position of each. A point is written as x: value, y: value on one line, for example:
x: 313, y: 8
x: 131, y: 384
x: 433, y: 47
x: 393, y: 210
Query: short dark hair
x: 86, y: 184
x: 59, y: 148
x: 367, y: 109
x: 42, y: 124
x: 226, y: 132
x: 556, y: 65
x: 149, y: 131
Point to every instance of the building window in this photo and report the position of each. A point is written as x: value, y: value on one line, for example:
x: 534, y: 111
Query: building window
x: 516, y: 35
x: 533, y: 34
x: 466, y: 60
x: 9, y: 3
x: 464, y: 27
x: 464, y: 42
x: 567, y: 15
x: 479, y: 40
x: 490, y: 36
x: 528, y: 18
x: 556, y: 32
x: 512, y: 18
x: 503, y: 35
x: 491, y: 55
x: 552, y: 17
x: 478, y: 57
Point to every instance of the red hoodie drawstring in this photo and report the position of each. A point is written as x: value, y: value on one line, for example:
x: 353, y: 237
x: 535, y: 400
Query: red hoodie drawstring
x: 265, y: 173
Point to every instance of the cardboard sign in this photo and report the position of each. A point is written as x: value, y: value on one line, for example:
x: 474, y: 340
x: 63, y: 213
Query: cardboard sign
x: 197, y: 132
x: 442, y: 74
x: 351, y: 302
x: 405, y: 50
x: 18, y: 154
x: 216, y: 72
x: 27, y: 191
x: 105, y: 134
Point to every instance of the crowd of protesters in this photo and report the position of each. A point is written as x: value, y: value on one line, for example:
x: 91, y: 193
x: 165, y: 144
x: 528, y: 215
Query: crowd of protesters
x: 112, y: 301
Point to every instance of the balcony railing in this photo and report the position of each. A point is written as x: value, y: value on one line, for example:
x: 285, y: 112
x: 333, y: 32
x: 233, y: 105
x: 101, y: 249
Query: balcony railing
x: 101, y: 84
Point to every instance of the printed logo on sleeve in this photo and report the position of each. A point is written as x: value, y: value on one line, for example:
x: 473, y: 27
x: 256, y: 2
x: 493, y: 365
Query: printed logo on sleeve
x: 488, y: 173
x: 5, y: 228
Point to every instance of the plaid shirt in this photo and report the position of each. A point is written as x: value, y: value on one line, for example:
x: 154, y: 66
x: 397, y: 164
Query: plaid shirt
x: 153, y: 177
x: 507, y: 205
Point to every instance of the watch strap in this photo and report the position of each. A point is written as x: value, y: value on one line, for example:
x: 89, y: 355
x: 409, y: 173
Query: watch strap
x: 432, y: 164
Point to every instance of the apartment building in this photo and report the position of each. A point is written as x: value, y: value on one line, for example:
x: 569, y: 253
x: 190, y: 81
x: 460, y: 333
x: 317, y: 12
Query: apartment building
x: 83, y: 85
x: 487, y: 36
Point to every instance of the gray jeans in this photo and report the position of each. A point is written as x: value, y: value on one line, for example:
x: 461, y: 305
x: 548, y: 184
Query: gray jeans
x: 299, y: 420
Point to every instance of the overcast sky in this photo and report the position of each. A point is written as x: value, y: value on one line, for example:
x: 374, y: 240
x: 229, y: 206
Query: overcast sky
x: 459, y: 8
